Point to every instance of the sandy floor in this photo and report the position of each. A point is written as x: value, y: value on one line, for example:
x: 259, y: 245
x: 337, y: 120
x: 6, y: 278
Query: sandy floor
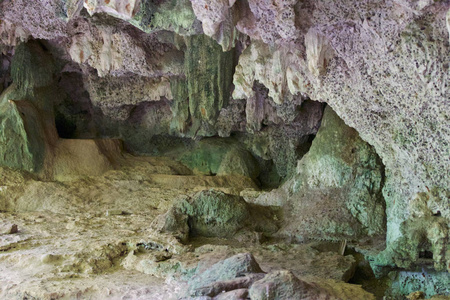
x: 90, y: 237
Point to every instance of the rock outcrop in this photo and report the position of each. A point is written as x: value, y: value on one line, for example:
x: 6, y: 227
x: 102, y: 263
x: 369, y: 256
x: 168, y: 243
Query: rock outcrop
x: 241, y: 274
x: 161, y: 75
x: 336, y: 191
x: 216, y: 214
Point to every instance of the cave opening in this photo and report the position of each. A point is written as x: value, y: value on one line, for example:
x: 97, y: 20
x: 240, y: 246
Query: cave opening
x: 188, y: 149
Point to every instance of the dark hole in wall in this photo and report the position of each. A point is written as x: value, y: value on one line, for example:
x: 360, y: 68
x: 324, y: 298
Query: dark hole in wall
x: 65, y: 128
x: 5, y: 72
x: 365, y: 277
x: 303, y: 148
x: 426, y: 254
x: 268, y: 177
x: 74, y: 114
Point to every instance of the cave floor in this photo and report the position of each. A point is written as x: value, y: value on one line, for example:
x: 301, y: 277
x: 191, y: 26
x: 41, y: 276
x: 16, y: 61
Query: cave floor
x: 91, y: 238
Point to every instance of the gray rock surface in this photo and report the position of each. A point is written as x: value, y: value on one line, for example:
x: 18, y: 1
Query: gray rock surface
x: 336, y: 191
x: 216, y: 214
x: 382, y: 66
x: 228, y: 269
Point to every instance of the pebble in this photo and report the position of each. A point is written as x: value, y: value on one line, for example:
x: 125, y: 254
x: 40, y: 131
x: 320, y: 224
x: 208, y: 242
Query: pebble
x: 8, y: 228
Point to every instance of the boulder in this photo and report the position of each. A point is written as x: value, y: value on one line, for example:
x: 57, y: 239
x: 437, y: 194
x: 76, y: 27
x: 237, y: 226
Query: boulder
x: 220, y: 157
x: 231, y: 268
x: 282, y: 285
x: 212, y: 213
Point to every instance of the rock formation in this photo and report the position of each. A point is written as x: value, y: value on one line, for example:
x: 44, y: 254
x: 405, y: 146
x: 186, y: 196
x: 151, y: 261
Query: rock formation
x: 312, y: 121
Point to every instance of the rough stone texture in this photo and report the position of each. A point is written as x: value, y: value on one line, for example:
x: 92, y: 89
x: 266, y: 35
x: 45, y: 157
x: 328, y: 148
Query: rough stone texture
x: 209, y: 73
x: 121, y: 49
x: 42, y: 19
x: 176, y: 16
x: 381, y: 65
x: 124, y: 9
x: 123, y: 68
x: 263, y: 63
x: 219, y: 157
x: 74, y: 158
x: 7, y: 228
x: 387, y: 80
x: 5, y: 70
x: 429, y: 282
x: 55, y: 217
x: 338, y: 166
x: 241, y: 271
x: 274, y: 21
x: 26, y: 112
x: 286, y: 131
x: 282, y: 285
x: 31, y: 67
x: 219, y: 20
x: 230, y: 268
x: 216, y: 214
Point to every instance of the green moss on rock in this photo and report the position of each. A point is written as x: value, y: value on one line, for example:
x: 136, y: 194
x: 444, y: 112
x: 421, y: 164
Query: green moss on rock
x: 31, y: 66
x: 27, y: 126
x: 180, y: 106
x: 336, y: 191
x: 171, y: 15
x: 211, y: 213
x: 209, y: 73
x: 20, y: 133
x: 222, y: 157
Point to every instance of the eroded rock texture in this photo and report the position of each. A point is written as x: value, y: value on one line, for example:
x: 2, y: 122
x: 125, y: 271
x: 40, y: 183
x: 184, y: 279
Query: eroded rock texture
x: 238, y: 88
x: 336, y: 191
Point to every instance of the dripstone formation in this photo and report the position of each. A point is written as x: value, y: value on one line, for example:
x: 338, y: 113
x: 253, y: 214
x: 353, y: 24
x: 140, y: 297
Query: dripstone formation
x: 254, y: 149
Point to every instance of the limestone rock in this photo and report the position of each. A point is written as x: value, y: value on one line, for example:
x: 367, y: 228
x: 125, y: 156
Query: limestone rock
x: 219, y: 287
x: 282, y: 285
x: 220, y: 157
x: 216, y: 214
x: 228, y: 269
x: 31, y: 66
x: 176, y: 16
x: 8, y: 228
x: 285, y: 137
x: 430, y: 284
x: 318, y: 52
x: 339, y: 168
x: 448, y: 23
x: 124, y: 9
x: 235, y: 294
x: 23, y: 128
x: 111, y: 93
x: 74, y: 158
x: 115, y: 52
x: 381, y: 65
x: 425, y: 236
x: 12, y: 34
x: 261, y: 62
x: 218, y: 20
x: 210, y: 214
x: 363, y: 79
x: 275, y: 21
x: 209, y: 73
x: 39, y: 20
x: 241, y: 274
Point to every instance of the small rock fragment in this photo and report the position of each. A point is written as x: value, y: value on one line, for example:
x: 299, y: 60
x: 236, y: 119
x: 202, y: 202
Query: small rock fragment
x: 114, y: 212
x: 416, y: 295
x: 162, y: 257
x: 8, y: 229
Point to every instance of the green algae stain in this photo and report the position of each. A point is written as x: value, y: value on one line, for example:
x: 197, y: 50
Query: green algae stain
x: 209, y: 73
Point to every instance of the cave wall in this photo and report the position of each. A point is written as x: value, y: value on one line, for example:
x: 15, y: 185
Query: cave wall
x: 382, y: 66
